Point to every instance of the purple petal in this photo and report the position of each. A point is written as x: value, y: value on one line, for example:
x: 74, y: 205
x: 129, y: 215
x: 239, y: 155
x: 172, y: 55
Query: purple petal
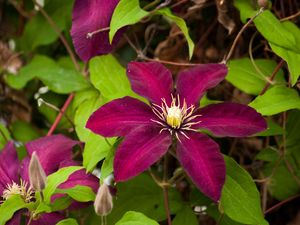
x: 193, y: 83
x: 48, y: 219
x: 80, y: 177
x: 24, y: 169
x: 231, y: 119
x: 140, y: 149
x: 16, y: 219
x: 119, y: 117
x: 202, y: 160
x: 90, y: 16
x: 151, y: 80
x: 52, y: 150
x: 9, y: 166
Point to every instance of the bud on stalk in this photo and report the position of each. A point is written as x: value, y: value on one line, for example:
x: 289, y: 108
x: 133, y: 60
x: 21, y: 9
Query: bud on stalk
x: 103, y: 203
x: 37, y: 174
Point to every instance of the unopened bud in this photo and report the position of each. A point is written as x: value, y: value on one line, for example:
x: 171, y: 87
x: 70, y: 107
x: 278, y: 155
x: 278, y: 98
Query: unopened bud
x: 37, y: 174
x: 263, y: 3
x: 103, y: 203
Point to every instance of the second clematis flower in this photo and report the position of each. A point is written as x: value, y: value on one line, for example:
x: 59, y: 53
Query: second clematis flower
x: 54, y: 152
x: 90, y: 23
x: 174, y: 114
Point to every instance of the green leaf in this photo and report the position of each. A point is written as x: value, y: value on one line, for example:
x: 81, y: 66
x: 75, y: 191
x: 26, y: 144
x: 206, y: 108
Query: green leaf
x: 185, y: 216
x: 181, y: 24
x: 79, y: 193
x: 4, y: 136
x: 276, y: 99
x: 282, y: 184
x: 292, y: 133
x: 292, y: 57
x: 129, y: 12
x: 57, y: 78
x: 9, y: 207
x: 268, y: 154
x: 136, y: 218
x: 39, y: 32
x: 126, y: 13
x: 107, y: 166
x: 61, y: 203
x: 243, y: 75
x: 246, y: 9
x: 57, y: 178
x: 19, y: 128
x: 274, y: 31
x: 96, y: 147
x: 143, y: 195
x: 109, y: 77
x: 267, y: 24
x: 240, y: 198
x: 272, y: 130
x: 69, y: 221
x: 222, y: 219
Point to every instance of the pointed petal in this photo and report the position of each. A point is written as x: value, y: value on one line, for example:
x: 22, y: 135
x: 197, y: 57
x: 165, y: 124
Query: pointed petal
x: 52, y: 150
x: 194, y: 82
x: 231, y: 119
x: 9, y: 166
x: 89, y: 16
x: 80, y: 177
x: 202, y: 160
x: 16, y: 219
x: 151, y: 80
x: 119, y: 117
x: 140, y: 149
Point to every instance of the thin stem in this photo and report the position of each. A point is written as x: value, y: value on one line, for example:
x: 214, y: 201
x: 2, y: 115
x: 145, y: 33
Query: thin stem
x: 280, y: 204
x: 268, y: 84
x: 61, y: 36
x: 291, y: 17
x: 166, y: 203
x: 42, y: 101
x: 3, y: 135
x: 240, y: 33
x: 252, y: 59
x: 73, y: 58
x: 167, y: 62
x: 30, y: 220
x: 60, y: 114
x: 91, y: 34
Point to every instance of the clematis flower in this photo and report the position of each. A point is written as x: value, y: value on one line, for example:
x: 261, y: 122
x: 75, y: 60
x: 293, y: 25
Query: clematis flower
x: 88, y: 18
x: 174, y: 113
x: 54, y: 152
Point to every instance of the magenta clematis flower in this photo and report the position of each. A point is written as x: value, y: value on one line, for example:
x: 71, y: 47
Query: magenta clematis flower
x: 174, y: 112
x: 89, y: 17
x: 54, y: 152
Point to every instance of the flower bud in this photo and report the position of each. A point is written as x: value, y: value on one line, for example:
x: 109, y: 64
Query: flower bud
x: 103, y: 203
x: 263, y: 3
x: 37, y: 174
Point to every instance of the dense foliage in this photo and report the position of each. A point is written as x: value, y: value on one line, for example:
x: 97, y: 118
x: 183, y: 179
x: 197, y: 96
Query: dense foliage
x: 149, y: 112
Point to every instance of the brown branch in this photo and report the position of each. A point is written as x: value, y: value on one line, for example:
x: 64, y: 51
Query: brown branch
x: 291, y: 17
x: 268, y: 84
x: 240, y: 33
x: 61, y: 36
x: 60, y: 114
x: 280, y: 204
x: 73, y: 58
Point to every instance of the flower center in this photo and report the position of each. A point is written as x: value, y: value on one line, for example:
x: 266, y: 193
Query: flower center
x: 15, y: 189
x: 176, y: 118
